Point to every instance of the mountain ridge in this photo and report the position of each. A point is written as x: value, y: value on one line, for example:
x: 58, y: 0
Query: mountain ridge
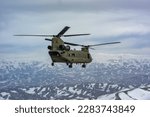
x: 129, y: 72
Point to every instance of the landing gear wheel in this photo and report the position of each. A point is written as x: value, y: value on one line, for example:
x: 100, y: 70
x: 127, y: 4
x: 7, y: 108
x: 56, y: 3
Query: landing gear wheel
x: 67, y: 63
x: 83, y: 66
x: 70, y: 66
x: 52, y: 64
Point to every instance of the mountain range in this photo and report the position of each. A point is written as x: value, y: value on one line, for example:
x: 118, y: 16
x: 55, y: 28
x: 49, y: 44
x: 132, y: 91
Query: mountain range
x: 121, y: 77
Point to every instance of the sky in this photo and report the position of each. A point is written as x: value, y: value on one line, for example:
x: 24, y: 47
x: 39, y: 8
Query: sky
x: 127, y: 21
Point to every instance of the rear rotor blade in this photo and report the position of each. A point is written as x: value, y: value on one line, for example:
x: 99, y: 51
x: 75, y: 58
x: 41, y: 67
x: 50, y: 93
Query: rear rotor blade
x: 89, y: 46
x: 73, y: 44
x: 104, y: 44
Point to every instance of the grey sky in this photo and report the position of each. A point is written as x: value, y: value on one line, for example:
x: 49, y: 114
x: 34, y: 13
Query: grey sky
x: 127, y: 21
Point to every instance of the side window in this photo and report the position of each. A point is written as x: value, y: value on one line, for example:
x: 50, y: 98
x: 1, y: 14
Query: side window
x: 88, y: 55
x: 73, y: 54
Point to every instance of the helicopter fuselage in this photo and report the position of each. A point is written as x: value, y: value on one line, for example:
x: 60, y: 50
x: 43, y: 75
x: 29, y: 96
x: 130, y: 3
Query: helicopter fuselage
x: 71, y: 56
x: 59, y: 52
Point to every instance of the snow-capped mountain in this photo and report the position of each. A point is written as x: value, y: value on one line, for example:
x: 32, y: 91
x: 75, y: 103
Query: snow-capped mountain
x: 117, y: 78
x: 86, y: 91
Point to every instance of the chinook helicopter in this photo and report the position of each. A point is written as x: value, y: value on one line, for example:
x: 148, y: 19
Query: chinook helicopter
x: 60, y: 50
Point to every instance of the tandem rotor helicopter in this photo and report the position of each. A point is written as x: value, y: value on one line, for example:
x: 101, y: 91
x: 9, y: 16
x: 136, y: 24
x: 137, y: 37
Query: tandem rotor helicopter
x: 60, y: 50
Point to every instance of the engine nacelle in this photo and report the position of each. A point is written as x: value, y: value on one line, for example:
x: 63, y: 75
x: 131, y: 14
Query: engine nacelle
x: 63, y: 47
x: 67, y: 48
x: 49, y: 47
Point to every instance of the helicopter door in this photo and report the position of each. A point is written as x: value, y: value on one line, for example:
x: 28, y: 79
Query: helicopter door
x: 88, y: 55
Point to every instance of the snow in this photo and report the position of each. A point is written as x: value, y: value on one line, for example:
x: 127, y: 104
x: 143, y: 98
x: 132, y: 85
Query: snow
x: 132, y: 94
x: 62, y: 93
x: 14, y: 91
x: 139, y: 94
x: 5, y: 94
x: 1, y: 98
x: 72, y: 90
x: 44, y: 89
x: 124, y: 96
x: 107, y: 97
x: 78, y: 92
x: 5, y: 81
x: 46, y: 94
x: 30, y: 91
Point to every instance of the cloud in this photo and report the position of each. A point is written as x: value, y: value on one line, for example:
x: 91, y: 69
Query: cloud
x: 118, y: 20
x: 73, y: 5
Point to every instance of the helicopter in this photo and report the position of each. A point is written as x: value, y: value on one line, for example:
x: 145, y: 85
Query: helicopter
x: 61, y: 52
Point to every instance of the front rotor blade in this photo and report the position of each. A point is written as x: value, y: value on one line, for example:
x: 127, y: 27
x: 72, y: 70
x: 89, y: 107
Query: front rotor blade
x: 36, y: 35
x: 104, y: 44
x: 63, y: 31
x: 73, y: 44
x: 48, y: 39
x: 52, y: 35
x: 75, y: 35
